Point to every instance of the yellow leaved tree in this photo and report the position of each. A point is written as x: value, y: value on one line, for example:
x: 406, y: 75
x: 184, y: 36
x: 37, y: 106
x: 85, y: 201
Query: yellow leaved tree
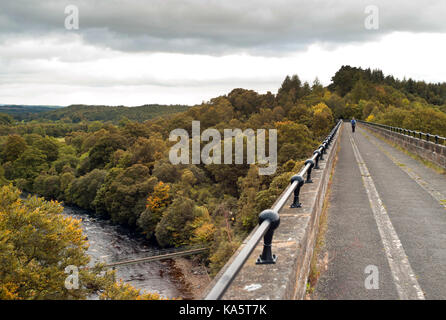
x: 38, y: 243
x: 156, y: 204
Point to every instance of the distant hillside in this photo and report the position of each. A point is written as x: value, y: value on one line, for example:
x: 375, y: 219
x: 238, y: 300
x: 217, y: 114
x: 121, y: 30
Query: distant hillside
x: 77, y: 113
x: 352, y: 79
x: 24, y: 112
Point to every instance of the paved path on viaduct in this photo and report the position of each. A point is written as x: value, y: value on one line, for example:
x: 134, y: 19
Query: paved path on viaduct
x: 386, y: 225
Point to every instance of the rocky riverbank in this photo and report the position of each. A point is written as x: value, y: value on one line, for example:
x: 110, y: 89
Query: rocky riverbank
x: 194, y: 277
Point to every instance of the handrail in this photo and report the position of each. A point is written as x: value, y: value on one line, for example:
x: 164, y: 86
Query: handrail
x: 269, y: 220
x: 410, y: 133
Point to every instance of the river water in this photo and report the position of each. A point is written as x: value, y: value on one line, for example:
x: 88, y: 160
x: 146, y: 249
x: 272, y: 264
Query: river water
x: 111, y: 243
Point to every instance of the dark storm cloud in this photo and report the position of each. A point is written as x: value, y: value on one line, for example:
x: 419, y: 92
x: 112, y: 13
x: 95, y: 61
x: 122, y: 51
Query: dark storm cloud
x: 219, y: 27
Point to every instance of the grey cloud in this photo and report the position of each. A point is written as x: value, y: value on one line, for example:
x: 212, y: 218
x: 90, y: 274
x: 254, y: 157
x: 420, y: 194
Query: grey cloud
x: 220, y: 27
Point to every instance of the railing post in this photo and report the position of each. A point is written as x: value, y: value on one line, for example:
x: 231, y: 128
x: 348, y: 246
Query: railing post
x: 427, y: 136
x: 436, y: 139
x: 267, y: 257
x: 316, y: 166
x: 322, y: 151
x: 300, y: 183
x: 311, y: 162
x: 421, y: 135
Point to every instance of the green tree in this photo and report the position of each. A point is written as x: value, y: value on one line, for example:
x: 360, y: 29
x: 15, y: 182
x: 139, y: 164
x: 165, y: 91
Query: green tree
x: 103, y: 149
x: 47, y: 186
x: 247, y: 216
x: 46, y: 145
x: 165, y: 171
x: 5, y: 119
x: 13, y: 148
x: 175, y: 227
x: 294, y: 141
x: 123, y: 195
x: 29, y: 165
x: 82, y: 191
x: 3, y: 180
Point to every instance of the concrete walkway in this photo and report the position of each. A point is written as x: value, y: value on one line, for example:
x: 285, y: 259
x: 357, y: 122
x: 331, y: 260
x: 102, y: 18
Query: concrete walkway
x: 386, y: 229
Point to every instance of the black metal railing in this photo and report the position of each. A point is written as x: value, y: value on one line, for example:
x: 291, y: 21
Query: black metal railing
x: 269, y: 220
x: 411, y: 133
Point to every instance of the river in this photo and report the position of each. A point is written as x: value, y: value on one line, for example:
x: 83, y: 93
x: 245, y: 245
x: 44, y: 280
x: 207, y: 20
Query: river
x: 110, y: 243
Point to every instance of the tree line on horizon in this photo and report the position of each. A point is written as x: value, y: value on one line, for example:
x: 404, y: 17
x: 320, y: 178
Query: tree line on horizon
x: 77, y: 113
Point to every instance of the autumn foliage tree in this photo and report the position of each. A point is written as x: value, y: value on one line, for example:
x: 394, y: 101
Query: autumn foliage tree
x: 156, y: 205
x: 322, y: 120
x: 38, y: 243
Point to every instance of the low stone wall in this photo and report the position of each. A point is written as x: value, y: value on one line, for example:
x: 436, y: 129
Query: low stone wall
x: 293, y: 244
x: 427, y: 150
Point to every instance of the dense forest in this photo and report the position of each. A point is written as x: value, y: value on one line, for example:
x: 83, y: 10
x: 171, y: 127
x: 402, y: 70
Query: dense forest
x: 369, y: 95
x: 79, y: 113
x: 19, y: 112
x: 118, y: 167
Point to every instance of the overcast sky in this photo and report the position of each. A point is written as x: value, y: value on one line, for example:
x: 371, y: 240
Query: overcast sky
x: 134, y: 52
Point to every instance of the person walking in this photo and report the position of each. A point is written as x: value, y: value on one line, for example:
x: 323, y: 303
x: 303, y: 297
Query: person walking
x: 353, y: 122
